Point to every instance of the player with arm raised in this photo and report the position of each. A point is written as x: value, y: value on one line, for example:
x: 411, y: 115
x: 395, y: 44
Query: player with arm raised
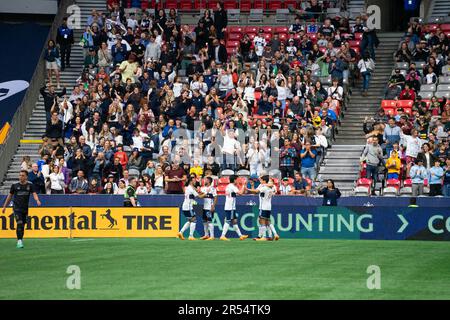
x: 266, y: 191
x: 20, y: 194
x: 231, y: 192
x: 190, y: 193
x: 209, y: 206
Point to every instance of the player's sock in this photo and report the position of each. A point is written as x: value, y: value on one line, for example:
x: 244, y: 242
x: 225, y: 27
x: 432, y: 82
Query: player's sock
x: 20, y: 231
x: 191, y: 231
x: 211, y: 229
x: 263, y: 231
x: 205, y: 229
x: 225, y: 229
x: 186, y: 225
x: 236, y: 228
x: 269, y: 232
x: 260, y: 231
x: 271, y: 226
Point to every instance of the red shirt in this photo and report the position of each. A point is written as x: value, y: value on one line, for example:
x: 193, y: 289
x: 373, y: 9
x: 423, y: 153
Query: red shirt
x: 123, y: 158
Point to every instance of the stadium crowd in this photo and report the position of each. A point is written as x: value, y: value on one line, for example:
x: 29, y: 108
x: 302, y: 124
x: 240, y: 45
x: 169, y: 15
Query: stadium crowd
x: 409, y: 136
x: 160, y: 101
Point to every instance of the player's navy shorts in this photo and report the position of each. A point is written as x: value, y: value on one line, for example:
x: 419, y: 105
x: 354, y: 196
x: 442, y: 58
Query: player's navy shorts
x: 21, y: 216
x: 230, y: 215
x: 264, y: 214
x: 207, y: 215
x: 189, y: 214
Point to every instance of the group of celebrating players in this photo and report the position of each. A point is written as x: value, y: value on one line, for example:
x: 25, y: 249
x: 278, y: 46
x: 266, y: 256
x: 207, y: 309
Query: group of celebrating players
x: 208, y: 192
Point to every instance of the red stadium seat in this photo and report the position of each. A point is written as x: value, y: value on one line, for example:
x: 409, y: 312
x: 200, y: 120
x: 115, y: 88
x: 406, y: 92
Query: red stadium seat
x: 267, y: 36
x: 357, y: 49
x: 267, y: 29
x: 391, y: 111
x: 251, y: 29
x: 364, y: 182
x: 281, y: 29
x: 241, y: 181
x: 212, y: 4
x: 275, y: 4
x: 259, y: 4
x: 185, y: 5
x: 432, y: 26
x: 246, y: 5
x: 229, y: 4
x: 235, y: 36
x: 407, y: 183
x: 393, y: 183
x: 291, y: 3
x: 389, y: 103
x: 283, y: 36
x: 354, y: 43
x: 322, y: 49
x: 358, y: 36
x: 405, y: 103
x: 199, y: 5
x: 171, y: 4
x: 235, y: 29
x: 445, y: 27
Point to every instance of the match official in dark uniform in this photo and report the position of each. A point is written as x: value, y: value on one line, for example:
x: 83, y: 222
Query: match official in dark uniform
x: 20, y: 194
x: 130, y: 196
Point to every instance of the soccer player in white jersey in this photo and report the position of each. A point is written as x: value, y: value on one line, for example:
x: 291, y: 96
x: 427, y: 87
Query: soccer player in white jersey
x: 190, y: 193
x: 231, y: 191
x: 209, y: 206
x: 266, y: 191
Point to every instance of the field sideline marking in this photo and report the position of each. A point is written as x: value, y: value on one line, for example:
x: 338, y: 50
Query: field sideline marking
x: 79, y: 240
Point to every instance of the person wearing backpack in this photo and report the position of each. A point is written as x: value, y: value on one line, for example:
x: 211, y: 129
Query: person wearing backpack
x: 366, y: 66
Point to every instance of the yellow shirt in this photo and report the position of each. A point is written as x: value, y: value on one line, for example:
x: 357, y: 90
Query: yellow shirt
x: 197, y: 170
x: 390, y: 161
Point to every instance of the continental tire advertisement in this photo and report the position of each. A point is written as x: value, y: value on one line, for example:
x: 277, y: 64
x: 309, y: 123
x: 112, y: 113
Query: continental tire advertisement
x: 95, y: 222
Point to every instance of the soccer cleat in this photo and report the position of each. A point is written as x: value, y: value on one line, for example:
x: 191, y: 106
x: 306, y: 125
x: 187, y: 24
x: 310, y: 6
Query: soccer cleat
x: 243, y: 237
x: 276, y: 238
x: 269, y: 239
x: 19, y: 245
x: 224, y: 238
x: 191, y: 238
x: 210, y: 239
x: 204, y: 238
x: 180, y: 236
x: 261, y: 239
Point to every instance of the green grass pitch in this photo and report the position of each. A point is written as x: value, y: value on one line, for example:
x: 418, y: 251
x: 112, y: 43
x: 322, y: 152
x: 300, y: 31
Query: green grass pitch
x: 175, y: 269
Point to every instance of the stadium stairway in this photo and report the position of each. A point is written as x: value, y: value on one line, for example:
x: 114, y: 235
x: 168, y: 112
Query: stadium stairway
x: 342, y: 161
x: 32, y: 137
x: 441, y: 8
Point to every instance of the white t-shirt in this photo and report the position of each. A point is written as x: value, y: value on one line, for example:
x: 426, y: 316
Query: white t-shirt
x: 259, y: 43
x: 188, y: 203
x: 285, y: 189
x: 413, y: 145
x: 230, y: 202
x: 265, y: 202
x: 207, y: 204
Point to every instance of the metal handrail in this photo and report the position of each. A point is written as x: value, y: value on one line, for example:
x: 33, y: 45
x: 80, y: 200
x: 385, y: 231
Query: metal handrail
x: 24, y: 111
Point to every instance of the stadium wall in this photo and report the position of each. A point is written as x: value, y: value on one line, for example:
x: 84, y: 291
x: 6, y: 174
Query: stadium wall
x: 294, y: 217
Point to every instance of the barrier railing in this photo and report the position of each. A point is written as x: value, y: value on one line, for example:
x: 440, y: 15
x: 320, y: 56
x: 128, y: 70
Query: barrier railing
x: 24, y: 111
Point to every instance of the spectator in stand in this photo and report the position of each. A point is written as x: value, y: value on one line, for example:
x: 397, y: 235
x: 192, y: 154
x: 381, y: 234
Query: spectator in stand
x: 54, y: 129
x: 52, y: 62
x: 393, y: 165
x: 79, y: 184
x: 407, y: 93
x: 308, y: 156
x: 426, y: 156
x: 64, y: 38
x: 435, y: 179
x: 391, y: 135
x: 372, y: 155
x: 36, y: 178
x: 287, y: 156
x: 301, y: 187
x: 446, y: 182
x: 175, y: 178
x: 418, y: 174
x: 366, y: 66
x: 220, y: 20
x: 285, y: 188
